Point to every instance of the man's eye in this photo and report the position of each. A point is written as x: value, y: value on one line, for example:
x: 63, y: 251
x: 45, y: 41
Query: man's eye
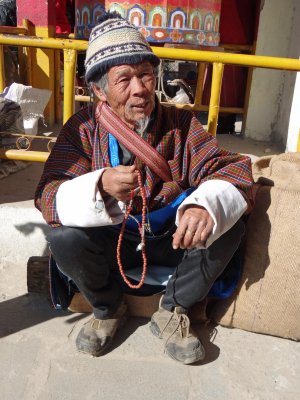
x: 124, y: 79
x: 147, y: 75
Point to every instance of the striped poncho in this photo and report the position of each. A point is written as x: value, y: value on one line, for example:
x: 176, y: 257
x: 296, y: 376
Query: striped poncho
x: 193, y: 156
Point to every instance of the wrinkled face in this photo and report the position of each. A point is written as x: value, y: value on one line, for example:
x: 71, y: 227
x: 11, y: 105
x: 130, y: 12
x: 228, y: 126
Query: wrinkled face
x: 130, y: 92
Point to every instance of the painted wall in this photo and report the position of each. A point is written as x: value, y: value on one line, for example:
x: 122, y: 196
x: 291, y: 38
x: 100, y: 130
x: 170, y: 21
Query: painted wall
x: 272, y: 92
x: 40, y: 13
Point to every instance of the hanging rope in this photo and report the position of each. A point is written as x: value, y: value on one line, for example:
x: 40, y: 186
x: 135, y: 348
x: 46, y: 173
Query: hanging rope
x: 141, y: 227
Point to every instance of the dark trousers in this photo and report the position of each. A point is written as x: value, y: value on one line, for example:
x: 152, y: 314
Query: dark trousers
x: 88, y: 257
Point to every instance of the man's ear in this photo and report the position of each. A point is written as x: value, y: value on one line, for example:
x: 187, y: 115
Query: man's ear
x: 99, y: 92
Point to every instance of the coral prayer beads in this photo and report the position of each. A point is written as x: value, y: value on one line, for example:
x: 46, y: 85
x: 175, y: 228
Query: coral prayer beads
x: 141, y: 227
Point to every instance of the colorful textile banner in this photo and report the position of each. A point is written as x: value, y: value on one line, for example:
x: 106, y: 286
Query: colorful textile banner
x: 161, y: 21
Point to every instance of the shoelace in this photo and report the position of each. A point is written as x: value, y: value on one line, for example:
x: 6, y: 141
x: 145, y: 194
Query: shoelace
x: 183, y: 323
x: 97, y: 322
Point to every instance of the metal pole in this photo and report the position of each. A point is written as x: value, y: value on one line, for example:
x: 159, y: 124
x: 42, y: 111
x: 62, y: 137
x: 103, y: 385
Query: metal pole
x: 214, y: 103
x: 24, y: 155
x: 2, y: 70
x: 69, y: 84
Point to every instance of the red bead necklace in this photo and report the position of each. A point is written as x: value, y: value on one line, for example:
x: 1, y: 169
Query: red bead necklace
x: 141, y: 227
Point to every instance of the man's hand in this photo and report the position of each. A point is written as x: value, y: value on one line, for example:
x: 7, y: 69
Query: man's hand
x: 118, y: 182
x: 194, y: 228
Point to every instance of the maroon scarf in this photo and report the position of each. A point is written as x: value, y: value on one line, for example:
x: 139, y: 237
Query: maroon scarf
x: 134, y: 143
x: 192, y: 154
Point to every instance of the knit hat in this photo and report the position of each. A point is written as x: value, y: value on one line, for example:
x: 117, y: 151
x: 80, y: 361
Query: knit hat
x: 114, y: 41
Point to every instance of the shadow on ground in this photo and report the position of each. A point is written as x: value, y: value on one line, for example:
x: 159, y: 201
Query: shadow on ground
x: 24, y: 312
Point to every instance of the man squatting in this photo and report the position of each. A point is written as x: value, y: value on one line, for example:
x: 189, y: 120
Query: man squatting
x: 87, y: 185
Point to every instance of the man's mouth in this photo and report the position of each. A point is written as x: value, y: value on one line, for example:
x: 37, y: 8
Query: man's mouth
x: 143, y: 105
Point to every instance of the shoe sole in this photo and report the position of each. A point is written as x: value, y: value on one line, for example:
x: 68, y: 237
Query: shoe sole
x: 154, y: 329
x: 187, y: 360
x: 105, y: 348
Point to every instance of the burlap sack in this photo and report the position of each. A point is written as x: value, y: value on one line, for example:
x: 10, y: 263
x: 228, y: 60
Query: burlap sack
x: 268, y: 297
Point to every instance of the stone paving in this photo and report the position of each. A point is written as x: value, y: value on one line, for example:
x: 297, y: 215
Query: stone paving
x: 39, y: 361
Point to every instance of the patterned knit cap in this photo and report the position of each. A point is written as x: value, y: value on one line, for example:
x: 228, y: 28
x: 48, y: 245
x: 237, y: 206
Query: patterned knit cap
x: 114, y: 41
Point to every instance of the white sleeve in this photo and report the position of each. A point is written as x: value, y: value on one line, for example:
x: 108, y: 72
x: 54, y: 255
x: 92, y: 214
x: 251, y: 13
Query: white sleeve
x: 79, y: 203
x: 222, y: 200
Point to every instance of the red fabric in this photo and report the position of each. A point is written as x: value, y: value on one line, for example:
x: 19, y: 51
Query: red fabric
x: 238, y: 21
x: 238, y: 25
x: 233, y: 86
x: 62, y: 22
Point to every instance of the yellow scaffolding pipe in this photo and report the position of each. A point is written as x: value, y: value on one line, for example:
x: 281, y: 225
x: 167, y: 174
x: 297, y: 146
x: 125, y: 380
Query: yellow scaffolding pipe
x: 69, y: 83
x: 24, y: 155
x: 246, y: 60
x: 57, y: 87
x: 218, y: 59
x: 214, y: 103
x: 2, y: 70
x: 163, y: 52
x: 199, y: 85
x: 197, y: 106
x: 43, y: 43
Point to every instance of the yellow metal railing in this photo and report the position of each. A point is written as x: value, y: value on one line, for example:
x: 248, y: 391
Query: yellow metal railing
x: 13, y: 30
x: 70, y: 48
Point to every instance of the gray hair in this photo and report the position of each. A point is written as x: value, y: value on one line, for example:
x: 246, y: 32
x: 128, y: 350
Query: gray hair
x: 102, y: 82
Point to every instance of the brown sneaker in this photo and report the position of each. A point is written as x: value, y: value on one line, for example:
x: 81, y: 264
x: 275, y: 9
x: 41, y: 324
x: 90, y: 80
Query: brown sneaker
x: 96, y: 335
x: 182, y: 344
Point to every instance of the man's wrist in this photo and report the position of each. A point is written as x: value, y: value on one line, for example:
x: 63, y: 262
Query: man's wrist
x: 103, y: 192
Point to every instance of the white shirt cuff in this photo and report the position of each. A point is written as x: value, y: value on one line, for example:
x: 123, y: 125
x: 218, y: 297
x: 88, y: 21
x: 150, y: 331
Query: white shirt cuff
x: 222, y: 200
x: 79, y: 203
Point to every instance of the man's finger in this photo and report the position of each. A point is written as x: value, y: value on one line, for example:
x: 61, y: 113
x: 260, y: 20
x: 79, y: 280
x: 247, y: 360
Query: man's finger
x: 178, y: 236
x: 125, y: 186
x: 187, y: 239
x: 125, y: 168
x: 128, y: 179
x: 205, y: 233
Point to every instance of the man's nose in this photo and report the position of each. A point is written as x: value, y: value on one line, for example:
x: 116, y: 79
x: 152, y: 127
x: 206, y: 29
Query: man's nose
x: 137, y: 85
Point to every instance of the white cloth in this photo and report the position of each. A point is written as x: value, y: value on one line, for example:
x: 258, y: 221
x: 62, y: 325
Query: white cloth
x: 80, y: 204
x: 222, y: 200
x: 156, y: 274
x: 32, y: 102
